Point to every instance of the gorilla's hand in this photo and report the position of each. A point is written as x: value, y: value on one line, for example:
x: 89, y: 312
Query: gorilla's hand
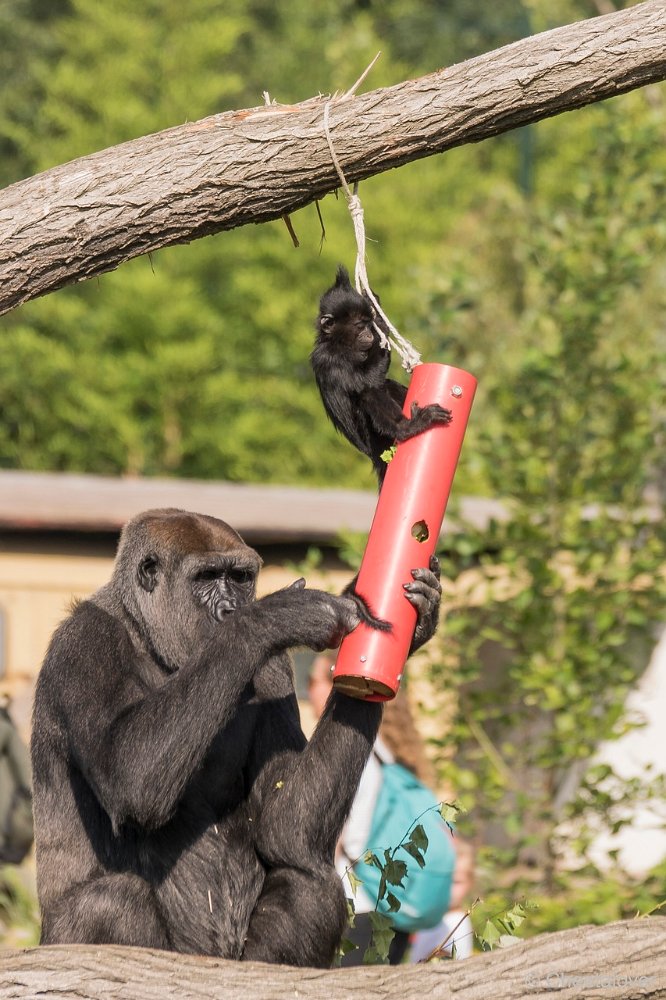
x: 425, y: 594
x: 299, y: 616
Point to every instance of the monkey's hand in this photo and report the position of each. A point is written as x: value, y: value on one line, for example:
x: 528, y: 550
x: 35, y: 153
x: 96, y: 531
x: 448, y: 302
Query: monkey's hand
x: 299, y: 616
x: 425, y: 594
x: 422, y: 417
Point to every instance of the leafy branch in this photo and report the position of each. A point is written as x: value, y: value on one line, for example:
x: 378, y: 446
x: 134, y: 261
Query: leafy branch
x: 392, y: 872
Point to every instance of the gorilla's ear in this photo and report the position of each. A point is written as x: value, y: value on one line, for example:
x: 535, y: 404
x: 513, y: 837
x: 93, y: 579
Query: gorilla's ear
x: 147, y: 573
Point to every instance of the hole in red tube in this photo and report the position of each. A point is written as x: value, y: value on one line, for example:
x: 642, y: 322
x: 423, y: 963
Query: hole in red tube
x: 420, y: 531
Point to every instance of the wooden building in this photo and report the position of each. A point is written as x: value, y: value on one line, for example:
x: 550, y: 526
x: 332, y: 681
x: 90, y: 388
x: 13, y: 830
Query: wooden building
x: 59, y: 533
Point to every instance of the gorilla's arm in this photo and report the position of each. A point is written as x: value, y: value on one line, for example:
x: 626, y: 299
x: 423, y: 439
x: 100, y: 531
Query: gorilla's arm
x: 300, y: 801
x: 301, y: 795
x: 425, y: 594
x: 294, y: 792
x: 302, y: 791
x: 138, y: 743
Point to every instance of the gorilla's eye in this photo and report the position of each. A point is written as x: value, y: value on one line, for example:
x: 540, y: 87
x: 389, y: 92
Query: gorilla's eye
x: 209, y: 574
x: 241, y: 575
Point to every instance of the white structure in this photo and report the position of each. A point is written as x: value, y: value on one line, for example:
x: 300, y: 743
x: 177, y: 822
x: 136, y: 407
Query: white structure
x: 642, y: 843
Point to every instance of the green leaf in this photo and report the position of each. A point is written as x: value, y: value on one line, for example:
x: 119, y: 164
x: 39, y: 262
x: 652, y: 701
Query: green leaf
x: 515, y: 916
x: 344, y: 948
x: 354, y: 880
x: 371, y: 956
x: 419, y: 838
x: 449, y: 812
x: 382, y: 935
x: 394, y: 903
x: 395, y: 871
x: 370, y: 858
x: 415, y: 853
x: 490, y: 934
x: 351, y: 912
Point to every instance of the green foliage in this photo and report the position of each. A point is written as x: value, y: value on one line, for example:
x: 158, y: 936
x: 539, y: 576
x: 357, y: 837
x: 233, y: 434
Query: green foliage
x: 382, y: 935
x: 546, y: 648
x: 393, y: 871
x: 195, y: 363
x: 583, y: 899
x: 19, y: 912
x: 500, y: 928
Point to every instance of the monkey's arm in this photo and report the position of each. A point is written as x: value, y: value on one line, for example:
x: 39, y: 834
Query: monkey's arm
x: 383, y: 406
x: 383, y: 410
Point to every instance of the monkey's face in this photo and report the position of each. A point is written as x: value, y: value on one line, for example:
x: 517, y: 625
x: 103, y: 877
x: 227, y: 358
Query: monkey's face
x: 346, y: 321
x: 349, y: 330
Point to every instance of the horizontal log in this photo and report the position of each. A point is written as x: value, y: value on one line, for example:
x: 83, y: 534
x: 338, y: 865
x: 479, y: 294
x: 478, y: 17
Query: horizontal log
x: 622, y: 960
x: 86, y: 217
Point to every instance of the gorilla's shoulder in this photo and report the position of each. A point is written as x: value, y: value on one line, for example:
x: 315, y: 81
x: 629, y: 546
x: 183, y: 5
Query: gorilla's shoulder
x: 88, y: 626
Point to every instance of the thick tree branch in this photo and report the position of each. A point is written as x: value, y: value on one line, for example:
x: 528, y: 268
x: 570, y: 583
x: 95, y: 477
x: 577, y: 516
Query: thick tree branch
x: 88, y: 216
x: 623, y: 960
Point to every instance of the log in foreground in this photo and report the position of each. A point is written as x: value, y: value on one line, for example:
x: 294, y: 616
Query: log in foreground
x: 88, y: 216
x: 621, y: 960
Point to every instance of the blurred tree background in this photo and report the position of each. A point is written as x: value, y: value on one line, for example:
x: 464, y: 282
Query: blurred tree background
x: 535, y: 260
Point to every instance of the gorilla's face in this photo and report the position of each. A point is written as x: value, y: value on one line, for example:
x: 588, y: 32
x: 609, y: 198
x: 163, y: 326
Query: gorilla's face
x: 190, y: 571
x: 224, y: 582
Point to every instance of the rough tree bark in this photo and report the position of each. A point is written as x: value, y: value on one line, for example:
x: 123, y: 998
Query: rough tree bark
x: 623, y: 960
x: 88, y: 216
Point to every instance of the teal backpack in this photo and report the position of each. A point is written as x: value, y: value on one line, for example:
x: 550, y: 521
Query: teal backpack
x: 424, y: 896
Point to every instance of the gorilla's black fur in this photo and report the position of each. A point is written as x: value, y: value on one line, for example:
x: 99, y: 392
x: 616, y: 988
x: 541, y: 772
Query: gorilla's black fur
x: 177, y: 803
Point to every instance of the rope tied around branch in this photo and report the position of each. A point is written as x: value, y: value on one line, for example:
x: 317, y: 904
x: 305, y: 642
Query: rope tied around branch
x: 409, y: 356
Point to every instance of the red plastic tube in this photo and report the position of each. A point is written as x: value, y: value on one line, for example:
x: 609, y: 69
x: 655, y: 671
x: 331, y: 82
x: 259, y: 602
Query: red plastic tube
x: 404, y: 534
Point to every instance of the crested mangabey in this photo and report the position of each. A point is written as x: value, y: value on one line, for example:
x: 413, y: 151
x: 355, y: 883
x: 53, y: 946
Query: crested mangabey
x: 350, y: 367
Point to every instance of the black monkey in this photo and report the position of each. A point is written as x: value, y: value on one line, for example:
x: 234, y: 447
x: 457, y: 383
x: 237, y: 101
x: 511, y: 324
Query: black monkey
x: 177, y: 803
x: 350, y: 367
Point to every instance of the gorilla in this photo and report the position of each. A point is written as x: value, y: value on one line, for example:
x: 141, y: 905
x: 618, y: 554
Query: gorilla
x: 177, y: 803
